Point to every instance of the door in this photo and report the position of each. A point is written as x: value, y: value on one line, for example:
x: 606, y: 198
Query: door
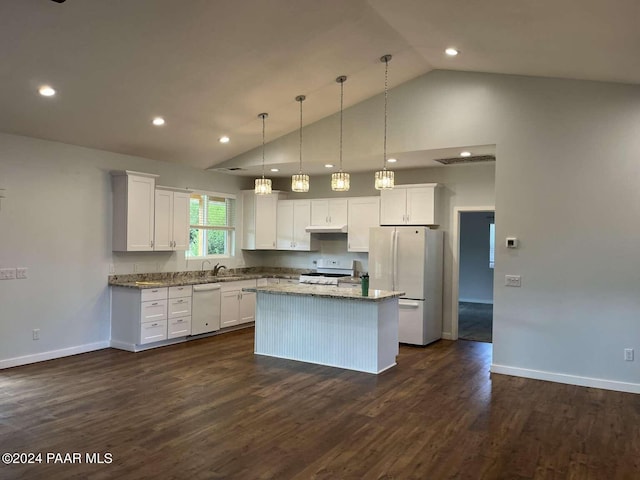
x: 230, y: 311
x: 284, y: 225
x: 393, y: 206
x: 266, y: 218
x: 338, y: 211
x: 421, y: 206
x: 301, y: 215
x: 181, y: 220
x: 364, y: 213
x: 411, y: 323
x: 381, y: 258
x: 319, y: 212
x: 410, y: 265
x: 140, y: 213
x: 247, y: 307
x: 205, y: 311
x: 163, y: 222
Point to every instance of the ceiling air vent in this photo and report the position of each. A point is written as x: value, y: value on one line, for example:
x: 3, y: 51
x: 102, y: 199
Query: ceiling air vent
x: 228, y: 169
x: 472, y: 159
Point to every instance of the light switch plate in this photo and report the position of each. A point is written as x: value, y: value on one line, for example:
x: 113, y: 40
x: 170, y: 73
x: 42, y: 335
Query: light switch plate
x: 7, y: 273
x: 512, y: 280
x: 21, y: 272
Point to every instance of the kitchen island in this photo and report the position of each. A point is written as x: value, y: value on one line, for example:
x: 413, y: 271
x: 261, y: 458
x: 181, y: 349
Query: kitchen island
x: 328, y: 325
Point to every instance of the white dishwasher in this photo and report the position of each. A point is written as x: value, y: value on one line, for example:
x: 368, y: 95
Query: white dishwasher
x: 205, y: 308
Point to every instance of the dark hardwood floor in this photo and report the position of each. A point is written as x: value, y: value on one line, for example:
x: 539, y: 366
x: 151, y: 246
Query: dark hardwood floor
x: 210, y: 409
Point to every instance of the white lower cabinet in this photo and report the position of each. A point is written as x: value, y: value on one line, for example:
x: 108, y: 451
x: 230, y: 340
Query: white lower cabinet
x: 179, y: 312
x: 138, y: 317
x: 238, y: 307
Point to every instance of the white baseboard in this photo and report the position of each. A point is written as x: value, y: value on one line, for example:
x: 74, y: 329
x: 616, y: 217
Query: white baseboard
x: 568, y: 379
x: 41, y: 357
x: 476, y: 300
x: 447, y: 336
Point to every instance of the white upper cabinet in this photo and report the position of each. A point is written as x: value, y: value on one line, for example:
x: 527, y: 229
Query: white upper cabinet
x: 171, y: 230
x: 293, y: 218
x: 364, y: 213
x: 259, y: 220
x: 133, y: 211
x: 410, y: 205
x: 329, y: 211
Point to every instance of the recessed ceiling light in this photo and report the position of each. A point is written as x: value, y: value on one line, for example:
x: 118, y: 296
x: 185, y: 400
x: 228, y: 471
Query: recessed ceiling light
x: 452, y: 52
x: 46, y: 91
x: 328, y: 165
x: 391, y: 160
x: 465, y: 154
x: 224, y: 139
x: 275, y: 169
x: 157, y: 121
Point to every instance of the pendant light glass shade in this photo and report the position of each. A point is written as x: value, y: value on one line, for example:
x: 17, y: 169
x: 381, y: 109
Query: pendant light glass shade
x: 300, y: 181
x: 340, y: 181
x: 263, y: 185
x: 384, y: 179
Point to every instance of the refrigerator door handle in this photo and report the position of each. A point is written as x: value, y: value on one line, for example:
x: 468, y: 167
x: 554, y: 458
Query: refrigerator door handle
x: 406, y: 304
x: 394, y: 257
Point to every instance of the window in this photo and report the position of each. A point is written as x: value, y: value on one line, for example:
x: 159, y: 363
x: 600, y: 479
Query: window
x: 492, y: 245
x: 213, y: 220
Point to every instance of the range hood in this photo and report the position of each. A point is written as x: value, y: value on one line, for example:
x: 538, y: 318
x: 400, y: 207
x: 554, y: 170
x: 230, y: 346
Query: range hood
x: 326, y: 229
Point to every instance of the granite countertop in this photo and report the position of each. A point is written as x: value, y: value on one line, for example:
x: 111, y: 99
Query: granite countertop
x: 175, y: 279
x: 326, y: 291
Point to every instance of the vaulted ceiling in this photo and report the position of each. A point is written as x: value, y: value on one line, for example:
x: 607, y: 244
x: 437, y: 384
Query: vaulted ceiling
x: 210, y: 66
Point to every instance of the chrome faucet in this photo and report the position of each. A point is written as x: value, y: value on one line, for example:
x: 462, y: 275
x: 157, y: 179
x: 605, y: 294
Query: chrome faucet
x: 217, y: 268
x: 203, y: 262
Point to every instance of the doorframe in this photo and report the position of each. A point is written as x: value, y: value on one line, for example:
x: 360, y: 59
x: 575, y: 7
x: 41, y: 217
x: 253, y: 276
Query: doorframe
x: 455, y: 280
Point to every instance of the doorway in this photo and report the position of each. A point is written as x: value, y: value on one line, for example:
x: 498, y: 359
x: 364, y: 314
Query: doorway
x: 474, y: 299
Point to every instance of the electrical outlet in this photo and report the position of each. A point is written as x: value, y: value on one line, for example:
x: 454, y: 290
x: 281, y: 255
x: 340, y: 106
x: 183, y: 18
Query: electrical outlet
x: 112, y: 268
x: 628, y: 354
x: 512, y: 280
x: 36, y: 334
x: 21, y: 272
x: 7, y: 273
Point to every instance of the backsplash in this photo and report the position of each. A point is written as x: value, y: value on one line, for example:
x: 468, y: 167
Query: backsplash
x: 331, y: 245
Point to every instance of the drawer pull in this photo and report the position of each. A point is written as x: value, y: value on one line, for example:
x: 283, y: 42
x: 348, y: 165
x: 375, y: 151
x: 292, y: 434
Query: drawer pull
x: 154, y: 291
x: 154, y: 303
x: 179, y: 321
x: 154, y: 324
x: 180, y: 301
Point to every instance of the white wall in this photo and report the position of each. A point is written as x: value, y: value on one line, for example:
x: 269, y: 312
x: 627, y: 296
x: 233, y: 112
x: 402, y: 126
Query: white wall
x: 56, y: 220
x: 566, y: 184
x: 476, y: 277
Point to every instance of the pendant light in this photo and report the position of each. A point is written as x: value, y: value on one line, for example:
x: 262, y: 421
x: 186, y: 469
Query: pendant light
x: 340, y: 180
x: 384, y: 177
x: 263, y: 185
x: 300, y: 181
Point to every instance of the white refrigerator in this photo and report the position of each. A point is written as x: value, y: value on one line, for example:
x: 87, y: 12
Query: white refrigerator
x: 409, y: 259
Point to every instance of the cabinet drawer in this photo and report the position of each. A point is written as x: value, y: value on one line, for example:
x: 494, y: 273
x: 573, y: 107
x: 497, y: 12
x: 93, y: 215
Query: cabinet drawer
x: 153, y: 331
x: 153, y: 311
x: 181, y: 291
x: 179, y: 327
x: 149, y: 294
x: 179, y: 307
